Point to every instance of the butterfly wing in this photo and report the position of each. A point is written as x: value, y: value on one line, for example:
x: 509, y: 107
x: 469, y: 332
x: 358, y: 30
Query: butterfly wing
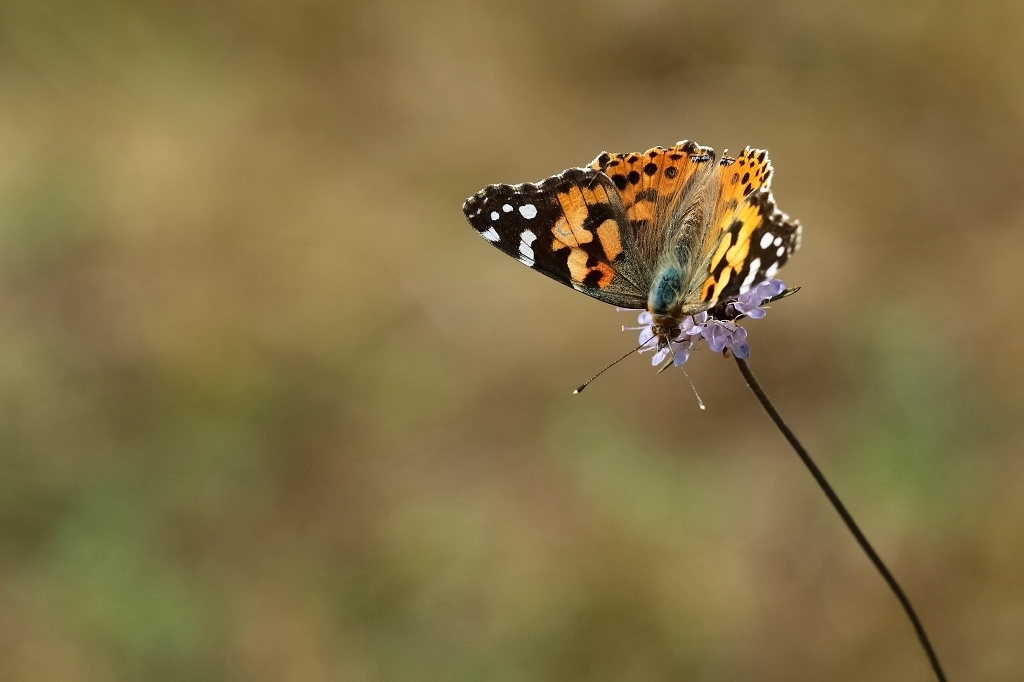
x: 736, y: 179
x: 653, y: 186
x: 571, y: 227
x: 757, y: 240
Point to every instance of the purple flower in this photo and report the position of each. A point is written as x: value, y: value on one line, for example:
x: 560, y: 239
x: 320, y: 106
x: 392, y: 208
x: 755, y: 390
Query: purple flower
x: 722, y: 334
x: 679, y: 350
x: 749, y: 304
x: 718, y: 333
x: 694, y: 324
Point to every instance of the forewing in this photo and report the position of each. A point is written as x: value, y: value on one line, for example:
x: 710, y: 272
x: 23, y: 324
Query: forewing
x: 572, y: 227
x: 757, y: 241
x: 651, y: 186
x: 750, y: 171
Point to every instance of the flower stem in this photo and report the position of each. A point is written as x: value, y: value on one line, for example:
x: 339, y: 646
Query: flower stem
x: 840, y: 508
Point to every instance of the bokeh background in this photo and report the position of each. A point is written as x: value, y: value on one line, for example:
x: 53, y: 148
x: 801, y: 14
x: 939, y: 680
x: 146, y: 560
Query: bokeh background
x: 272, y: 411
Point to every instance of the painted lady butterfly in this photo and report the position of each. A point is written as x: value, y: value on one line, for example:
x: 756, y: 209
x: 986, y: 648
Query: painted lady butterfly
x: 669, y: 230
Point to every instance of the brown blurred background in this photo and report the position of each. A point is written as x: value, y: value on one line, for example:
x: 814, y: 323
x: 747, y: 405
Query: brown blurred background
x: 272, y: 411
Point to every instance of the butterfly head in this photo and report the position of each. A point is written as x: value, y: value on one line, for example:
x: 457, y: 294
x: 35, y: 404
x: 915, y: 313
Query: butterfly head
x: 665, y: 329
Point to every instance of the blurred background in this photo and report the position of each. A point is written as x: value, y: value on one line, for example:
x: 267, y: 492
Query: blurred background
x: 271, y: 410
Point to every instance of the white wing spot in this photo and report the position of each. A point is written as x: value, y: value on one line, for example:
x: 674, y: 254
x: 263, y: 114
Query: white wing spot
x: 526, y: 260
x: 778, y: 241
x: 779, y: 251
x: 754, y: 266
x: 772, y: 269
x: 491, y: 235
x: 766, y: 240
x: 507, y: 208
x: 528, y: 211
x: 525, y: 247
x: 494, y: 215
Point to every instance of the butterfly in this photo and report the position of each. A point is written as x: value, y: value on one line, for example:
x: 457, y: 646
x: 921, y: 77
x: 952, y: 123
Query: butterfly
x: 676, y: 231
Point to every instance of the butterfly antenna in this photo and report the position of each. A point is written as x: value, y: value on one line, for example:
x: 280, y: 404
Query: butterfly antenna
x: 586, y: 383
x: 700, y: 402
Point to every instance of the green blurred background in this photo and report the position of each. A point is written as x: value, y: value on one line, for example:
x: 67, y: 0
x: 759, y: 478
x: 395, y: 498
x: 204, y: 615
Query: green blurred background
x: 272, y: 411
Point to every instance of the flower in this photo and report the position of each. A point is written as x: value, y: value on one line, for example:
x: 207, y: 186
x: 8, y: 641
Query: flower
x: 717, y: 328
x: 749, y: 304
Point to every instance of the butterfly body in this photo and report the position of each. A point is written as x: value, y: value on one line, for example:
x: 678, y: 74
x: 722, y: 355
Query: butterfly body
x: 669, y: 230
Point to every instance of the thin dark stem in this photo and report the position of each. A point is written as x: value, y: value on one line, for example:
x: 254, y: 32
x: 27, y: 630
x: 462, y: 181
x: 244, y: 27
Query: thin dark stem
x: 840, y: 508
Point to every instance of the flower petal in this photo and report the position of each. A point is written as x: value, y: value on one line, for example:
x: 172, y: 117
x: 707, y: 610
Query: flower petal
x: 682, y: 354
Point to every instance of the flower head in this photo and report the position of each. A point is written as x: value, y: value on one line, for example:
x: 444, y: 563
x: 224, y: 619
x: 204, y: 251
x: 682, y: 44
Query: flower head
x: 718, y: 328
